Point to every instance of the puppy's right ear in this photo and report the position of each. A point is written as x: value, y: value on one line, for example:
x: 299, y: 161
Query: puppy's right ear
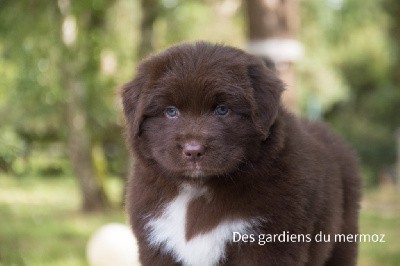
x: 134, y: 100
x: 130, y: 94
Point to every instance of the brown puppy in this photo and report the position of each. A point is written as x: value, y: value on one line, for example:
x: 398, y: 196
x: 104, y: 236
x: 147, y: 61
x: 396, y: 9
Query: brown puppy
x: 220, y: 166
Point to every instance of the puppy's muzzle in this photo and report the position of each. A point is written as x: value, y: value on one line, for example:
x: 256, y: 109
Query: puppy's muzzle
x: 193, y: 151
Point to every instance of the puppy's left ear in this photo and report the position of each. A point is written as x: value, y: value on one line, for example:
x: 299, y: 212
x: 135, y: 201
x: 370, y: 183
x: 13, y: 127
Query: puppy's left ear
x: 267, y: 93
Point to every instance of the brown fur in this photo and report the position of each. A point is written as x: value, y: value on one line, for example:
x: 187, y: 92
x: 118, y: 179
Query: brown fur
x: 259, y: 161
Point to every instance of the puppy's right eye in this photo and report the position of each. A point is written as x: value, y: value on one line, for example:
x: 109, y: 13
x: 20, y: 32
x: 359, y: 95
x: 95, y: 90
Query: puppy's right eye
x: 221, y: 110
x: 171, y: 112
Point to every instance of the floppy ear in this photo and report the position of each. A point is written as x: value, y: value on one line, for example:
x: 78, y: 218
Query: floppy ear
x: 132, y: 106
x: 267, y: 92
x: 133, y: 93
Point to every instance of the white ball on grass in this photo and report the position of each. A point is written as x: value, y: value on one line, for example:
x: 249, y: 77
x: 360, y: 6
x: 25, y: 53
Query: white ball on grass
x: 111, y: 245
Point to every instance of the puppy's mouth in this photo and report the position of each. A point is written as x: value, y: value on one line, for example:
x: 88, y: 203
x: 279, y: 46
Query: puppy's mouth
x: 195, y: 170
x: 206, y: 168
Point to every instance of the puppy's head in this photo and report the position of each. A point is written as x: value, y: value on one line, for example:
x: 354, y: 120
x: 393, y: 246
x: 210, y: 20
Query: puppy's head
x: 200, y: 110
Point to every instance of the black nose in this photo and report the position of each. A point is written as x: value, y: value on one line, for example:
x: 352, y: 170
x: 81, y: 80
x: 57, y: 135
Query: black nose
x: 193, y: 150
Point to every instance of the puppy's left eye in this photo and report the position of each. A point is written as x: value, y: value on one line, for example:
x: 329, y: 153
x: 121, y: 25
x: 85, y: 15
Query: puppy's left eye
x: 221, y: 110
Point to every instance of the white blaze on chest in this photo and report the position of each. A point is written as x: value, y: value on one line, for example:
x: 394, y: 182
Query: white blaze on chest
x: 168, y: 232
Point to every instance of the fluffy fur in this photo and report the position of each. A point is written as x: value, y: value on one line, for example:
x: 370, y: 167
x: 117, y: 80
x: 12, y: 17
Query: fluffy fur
x: 215, y: 153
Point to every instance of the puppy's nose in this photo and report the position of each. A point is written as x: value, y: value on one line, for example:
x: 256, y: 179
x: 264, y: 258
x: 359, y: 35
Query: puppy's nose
x: 193, y: 151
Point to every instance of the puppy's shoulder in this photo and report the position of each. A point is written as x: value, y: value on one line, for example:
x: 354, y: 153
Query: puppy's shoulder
x: 320, y: 134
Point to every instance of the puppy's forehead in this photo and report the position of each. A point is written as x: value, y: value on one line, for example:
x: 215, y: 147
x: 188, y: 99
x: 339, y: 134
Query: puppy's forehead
x: 196, y: 83
x: 199, y: 90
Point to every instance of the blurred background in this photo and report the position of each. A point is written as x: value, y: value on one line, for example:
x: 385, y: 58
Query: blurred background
x: 63, y: 162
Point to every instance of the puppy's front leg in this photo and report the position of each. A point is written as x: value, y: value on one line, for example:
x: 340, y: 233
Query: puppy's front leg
x: 150, y: 256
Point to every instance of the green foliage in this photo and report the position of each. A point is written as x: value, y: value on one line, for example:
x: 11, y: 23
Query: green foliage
x: 349, y: 73
x: 32, y: 89
x: 11, y: 148
x: 184, y: 21
x: 348, y: 70
x: 33, y: 61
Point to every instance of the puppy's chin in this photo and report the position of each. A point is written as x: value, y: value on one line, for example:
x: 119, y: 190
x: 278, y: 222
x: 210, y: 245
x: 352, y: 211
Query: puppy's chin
x: 197, y: 171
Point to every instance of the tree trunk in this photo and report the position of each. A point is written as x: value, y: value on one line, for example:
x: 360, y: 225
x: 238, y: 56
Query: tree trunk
x: 79, y: 147
x: 150, y: 12
x: 272, y: 28
x: 78, y: 135
x: 398, y: 158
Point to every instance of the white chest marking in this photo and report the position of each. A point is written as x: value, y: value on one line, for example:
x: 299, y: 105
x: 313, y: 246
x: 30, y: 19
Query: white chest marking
x: 168, y: 232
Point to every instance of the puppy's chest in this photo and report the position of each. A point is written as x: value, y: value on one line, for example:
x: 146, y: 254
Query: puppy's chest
x: 169, y: 231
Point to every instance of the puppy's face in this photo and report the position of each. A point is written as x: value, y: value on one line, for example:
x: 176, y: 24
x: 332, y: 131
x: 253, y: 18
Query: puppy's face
x: 200, y: 110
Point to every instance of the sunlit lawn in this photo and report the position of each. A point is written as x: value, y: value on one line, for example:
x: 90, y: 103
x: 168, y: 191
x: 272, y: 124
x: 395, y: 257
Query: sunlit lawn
x: 40, y: 223
x: 381, y: 215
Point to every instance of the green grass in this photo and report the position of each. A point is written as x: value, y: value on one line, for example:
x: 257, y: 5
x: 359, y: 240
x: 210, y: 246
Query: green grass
x: 381, y: 215
x: 40, y: 223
